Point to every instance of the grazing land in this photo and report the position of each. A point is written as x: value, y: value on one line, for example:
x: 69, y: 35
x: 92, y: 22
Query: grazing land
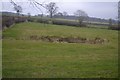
x: 34, y: 58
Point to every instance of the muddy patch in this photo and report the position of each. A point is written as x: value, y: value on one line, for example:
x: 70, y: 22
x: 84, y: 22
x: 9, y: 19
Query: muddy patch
x: 96, y: 40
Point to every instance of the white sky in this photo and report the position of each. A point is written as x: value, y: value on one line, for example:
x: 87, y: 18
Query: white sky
x: 94, y: 8
x: 66, y: 0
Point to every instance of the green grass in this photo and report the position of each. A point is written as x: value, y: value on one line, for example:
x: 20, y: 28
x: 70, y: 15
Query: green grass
x: 38, y: 59
x: 0, y: 58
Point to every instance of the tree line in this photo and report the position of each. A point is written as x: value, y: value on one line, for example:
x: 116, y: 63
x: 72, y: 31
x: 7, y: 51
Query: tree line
x: 52, y: 9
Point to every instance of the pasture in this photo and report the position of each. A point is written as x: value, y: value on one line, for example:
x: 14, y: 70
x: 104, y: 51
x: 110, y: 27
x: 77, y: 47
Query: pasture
x: 26, y: 58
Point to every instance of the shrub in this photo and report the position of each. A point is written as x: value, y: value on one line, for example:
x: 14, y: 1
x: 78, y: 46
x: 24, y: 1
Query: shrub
x: 115, y: 27
x: 20, y: 19
x: 7, y: 21
x: 68, y: 23
x: 43, y: 21
x: 31, y: 20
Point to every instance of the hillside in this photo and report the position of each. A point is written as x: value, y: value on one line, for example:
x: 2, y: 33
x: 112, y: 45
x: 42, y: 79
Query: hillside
x: 26, y: 57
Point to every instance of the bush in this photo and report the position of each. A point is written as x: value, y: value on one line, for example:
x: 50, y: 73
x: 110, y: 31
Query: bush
x: 61, y: 22
x: 68, y: 23
x: 43, y: 21
x: 7, y: 21
x: 20, y: 19
x: 31, y: 20
x: 115, y: 27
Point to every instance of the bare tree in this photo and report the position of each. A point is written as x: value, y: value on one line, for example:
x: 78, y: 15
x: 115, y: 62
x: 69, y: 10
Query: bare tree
x: 81, y: 15
x: 17, y: 8
x: 51, y: 8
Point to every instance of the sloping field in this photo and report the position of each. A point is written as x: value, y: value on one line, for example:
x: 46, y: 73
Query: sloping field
x: 24, y: 57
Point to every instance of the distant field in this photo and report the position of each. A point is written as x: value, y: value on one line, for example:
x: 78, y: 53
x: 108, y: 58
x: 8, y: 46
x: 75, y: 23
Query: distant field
x: 26, y: 58
x: 92, y: 24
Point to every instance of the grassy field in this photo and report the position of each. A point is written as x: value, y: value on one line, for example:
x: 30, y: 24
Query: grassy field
x: 26, y: 58
x: 0, y: 58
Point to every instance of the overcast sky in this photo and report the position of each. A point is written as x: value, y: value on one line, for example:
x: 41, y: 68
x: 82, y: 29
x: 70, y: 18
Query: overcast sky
x: 104, y: 9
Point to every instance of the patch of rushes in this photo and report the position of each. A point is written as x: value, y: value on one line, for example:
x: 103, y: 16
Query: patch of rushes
x: 97, y: 40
